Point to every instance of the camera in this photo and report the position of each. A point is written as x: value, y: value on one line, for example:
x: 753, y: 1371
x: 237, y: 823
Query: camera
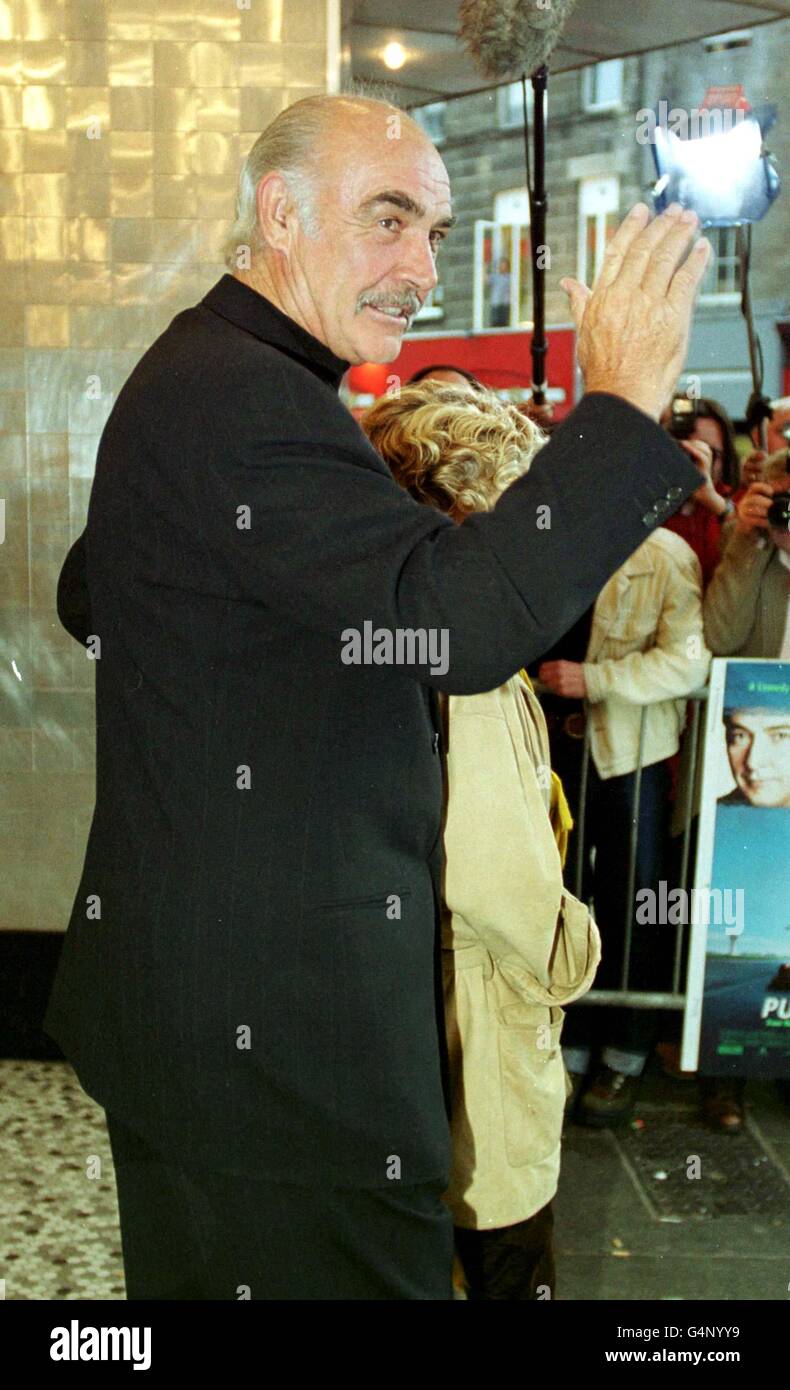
x: 683, y: 417
x: 779, y: 511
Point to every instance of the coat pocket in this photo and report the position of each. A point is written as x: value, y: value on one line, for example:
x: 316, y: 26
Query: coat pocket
x: 532, y: 1080
x: 386, y: 901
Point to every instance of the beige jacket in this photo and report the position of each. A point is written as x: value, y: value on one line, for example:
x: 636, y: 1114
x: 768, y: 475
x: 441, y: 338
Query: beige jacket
x: 516, y: 947
x: 646, y: 651
x: 746, y: 602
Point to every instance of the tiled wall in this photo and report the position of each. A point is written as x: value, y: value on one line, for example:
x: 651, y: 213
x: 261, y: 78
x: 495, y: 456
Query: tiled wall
x: 122, y: 126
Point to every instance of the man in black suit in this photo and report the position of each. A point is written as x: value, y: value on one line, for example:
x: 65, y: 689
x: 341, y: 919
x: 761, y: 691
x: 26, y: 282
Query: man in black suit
x: 249, y: 980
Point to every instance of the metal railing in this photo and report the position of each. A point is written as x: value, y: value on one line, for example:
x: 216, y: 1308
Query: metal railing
x: 641, y: 999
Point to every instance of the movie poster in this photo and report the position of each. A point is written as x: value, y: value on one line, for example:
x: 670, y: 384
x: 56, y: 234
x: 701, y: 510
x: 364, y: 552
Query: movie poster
x: 737, y: 1019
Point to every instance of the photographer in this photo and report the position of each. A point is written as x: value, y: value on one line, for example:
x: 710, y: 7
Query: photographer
x: 704, y: 430
x: 777, y: 439
x: 746, y: 605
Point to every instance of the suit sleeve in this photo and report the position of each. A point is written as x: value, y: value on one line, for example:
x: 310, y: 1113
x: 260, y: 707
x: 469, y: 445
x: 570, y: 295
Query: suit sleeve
x: 73, y: 599
x: 311, y: 523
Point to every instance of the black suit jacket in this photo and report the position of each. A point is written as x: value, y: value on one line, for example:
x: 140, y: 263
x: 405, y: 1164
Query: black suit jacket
x: 249, y: 974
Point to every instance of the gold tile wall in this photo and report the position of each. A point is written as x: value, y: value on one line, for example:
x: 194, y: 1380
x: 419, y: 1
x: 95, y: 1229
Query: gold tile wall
x: 122, y: 126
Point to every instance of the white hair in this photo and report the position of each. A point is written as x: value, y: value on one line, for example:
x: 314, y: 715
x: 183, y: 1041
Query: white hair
x: 291, y: 144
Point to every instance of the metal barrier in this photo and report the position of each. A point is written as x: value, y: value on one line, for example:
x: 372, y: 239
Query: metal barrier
x: 692, y: 739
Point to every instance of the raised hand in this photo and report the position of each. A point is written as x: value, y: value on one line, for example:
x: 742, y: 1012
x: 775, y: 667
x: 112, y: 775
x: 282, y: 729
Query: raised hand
x: 633, y: 326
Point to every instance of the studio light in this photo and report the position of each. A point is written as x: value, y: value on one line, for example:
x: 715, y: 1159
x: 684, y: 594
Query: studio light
x: 726, y: 177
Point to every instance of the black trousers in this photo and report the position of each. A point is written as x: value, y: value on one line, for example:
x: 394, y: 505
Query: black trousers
x: 190, y: 1233
x: 510, y: 1262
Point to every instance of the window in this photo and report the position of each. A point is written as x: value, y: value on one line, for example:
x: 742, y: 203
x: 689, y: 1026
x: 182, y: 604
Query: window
x: 599, y: 203
x: 431, y: 119
x: 510, y: 106
x: 602, y: 86
x: 723, y: 275
x: 719, y: 43
x: 512, y: 205
x: 502, y: 264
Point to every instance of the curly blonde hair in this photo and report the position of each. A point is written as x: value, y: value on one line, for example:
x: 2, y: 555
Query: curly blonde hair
x: 452, y: 446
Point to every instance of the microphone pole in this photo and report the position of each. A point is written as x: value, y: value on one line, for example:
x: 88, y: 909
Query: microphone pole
x: 538, y: 206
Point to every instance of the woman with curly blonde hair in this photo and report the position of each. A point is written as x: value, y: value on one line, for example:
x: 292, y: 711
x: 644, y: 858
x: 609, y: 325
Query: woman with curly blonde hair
x: 452, y: 446
x: 515, y: 945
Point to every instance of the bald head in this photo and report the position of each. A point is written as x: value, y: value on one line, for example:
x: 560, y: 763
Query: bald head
x: 343, y: 202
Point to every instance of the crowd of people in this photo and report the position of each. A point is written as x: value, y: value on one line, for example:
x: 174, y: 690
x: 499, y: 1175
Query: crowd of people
x: 711, y: 580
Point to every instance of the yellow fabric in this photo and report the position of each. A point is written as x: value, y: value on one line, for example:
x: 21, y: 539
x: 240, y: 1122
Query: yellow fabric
x: 560, y: 817
x: 559, y: 810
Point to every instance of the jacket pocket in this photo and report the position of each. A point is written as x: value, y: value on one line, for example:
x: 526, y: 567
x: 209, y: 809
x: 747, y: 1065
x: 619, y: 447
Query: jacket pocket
x: 631, y: 629
x: 532, y: 1079
x: 381, y: 900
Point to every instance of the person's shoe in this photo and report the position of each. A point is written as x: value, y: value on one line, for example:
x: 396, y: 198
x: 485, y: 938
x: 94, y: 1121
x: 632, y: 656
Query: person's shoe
x: 609, y: 1099
x: 721, y: 1103
x: 781, y: 979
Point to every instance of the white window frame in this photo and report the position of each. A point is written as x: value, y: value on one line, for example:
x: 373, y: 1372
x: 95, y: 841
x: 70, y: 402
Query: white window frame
x: 714, y: 296
x: 478, y: 298
x: 509, y: 107
x: 598, y: 196
x: 511, y: 206
x: 589, y: 82
x: 438, y: 108
x: 721, y: 43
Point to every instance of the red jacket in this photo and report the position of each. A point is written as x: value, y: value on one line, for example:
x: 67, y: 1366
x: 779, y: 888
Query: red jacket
x: 701, y: 529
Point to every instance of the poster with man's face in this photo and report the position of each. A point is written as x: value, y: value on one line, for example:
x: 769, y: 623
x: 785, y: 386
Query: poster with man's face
x: 737, y: 1018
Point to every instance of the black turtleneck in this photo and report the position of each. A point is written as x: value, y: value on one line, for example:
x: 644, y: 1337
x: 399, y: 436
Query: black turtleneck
x: 253, y: 312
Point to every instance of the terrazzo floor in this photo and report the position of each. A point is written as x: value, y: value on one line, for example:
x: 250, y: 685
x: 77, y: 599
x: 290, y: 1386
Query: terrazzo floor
x: 59, y: 1234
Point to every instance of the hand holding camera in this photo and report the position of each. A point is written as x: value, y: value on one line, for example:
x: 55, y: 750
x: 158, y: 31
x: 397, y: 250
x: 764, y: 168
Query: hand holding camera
x: 752, y: 467
x: 762, y: 506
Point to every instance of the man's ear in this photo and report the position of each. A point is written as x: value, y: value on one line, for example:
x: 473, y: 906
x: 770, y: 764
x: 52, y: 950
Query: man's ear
x: 275, y: 211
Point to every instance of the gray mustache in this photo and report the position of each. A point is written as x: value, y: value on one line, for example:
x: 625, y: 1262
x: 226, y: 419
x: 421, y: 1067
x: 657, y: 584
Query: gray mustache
x: 410, y: 305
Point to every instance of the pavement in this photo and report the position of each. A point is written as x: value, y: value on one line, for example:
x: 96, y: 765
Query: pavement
x: 665, y: 1208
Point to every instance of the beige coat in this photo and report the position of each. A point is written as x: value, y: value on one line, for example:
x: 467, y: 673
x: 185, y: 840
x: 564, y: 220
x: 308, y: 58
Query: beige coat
x: 646, y: 651
x: 516, y: 947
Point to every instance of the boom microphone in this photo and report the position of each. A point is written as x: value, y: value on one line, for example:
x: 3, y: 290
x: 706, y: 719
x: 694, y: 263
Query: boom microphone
x: 506, y: 39
x: 509, y: 37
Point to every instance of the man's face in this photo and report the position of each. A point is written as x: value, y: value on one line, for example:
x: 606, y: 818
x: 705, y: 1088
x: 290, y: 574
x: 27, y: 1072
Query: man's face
x: 758, y: 746
x: 384, y: 206
x: 710, y: 432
